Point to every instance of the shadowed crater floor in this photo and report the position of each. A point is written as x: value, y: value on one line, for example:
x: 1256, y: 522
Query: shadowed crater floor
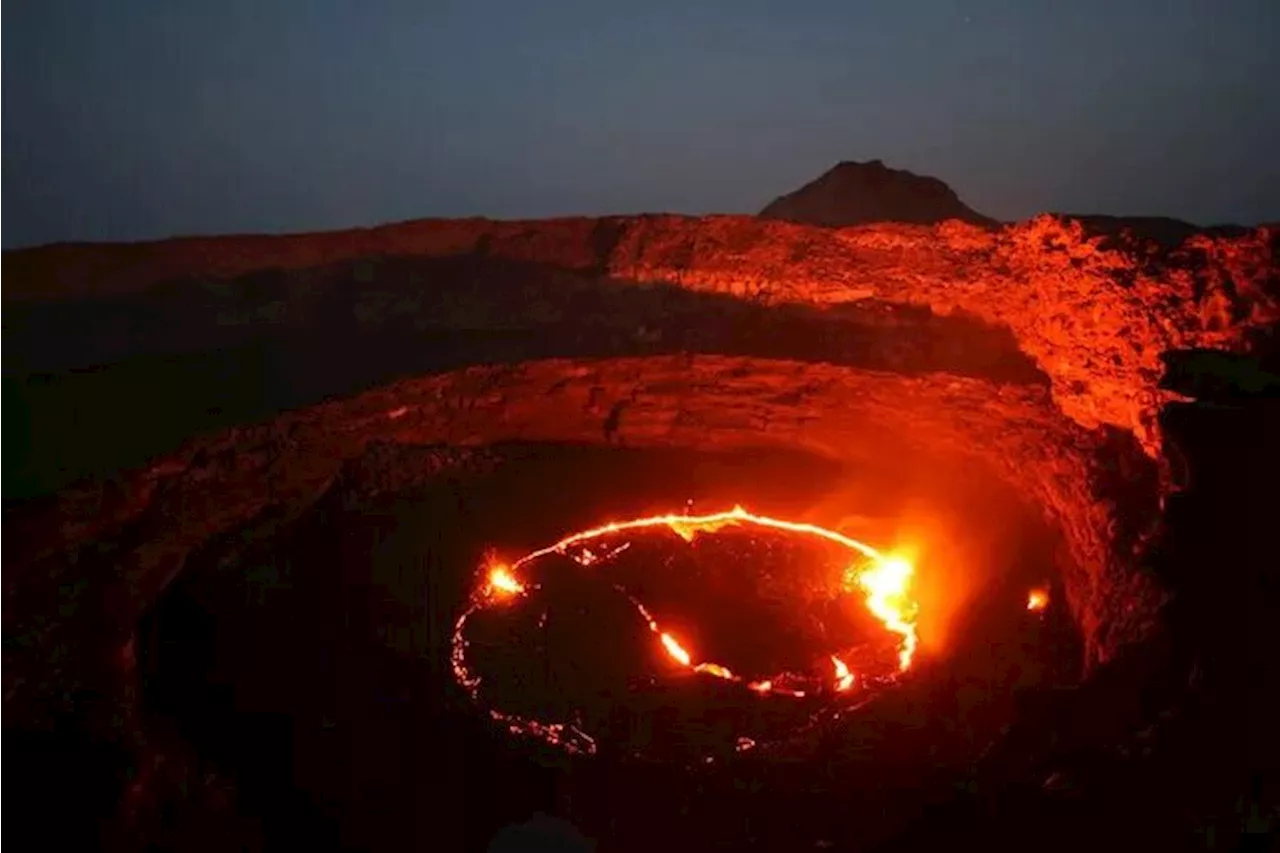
x: 311, y: 670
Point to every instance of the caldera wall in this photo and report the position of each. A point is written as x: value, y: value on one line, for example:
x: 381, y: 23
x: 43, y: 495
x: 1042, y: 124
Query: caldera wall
x: 1095, y: 313
x: 216, y: 485
x: 1094, y: 320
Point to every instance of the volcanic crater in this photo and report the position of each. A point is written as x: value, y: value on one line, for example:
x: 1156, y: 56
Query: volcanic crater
x: 257, y: 490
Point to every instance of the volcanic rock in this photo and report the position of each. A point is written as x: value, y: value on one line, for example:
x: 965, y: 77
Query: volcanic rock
x: 219, y: 484
x: 862, y: 193
x: 1093, y: 313
x: 215, y: 383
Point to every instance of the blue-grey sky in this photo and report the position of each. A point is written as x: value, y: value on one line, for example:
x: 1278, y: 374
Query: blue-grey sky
x: 127, y: 119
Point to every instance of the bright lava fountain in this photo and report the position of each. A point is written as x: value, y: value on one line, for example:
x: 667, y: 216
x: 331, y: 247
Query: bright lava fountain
x: 881, y: 582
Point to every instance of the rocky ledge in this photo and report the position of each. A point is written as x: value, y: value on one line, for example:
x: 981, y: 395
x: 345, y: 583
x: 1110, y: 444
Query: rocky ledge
x: 1037, y: 349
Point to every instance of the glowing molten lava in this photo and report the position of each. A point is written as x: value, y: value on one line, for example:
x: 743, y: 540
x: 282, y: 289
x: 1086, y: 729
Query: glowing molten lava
x: 887, y: 584
x: 844, y: 678
x: 1037, y: 600
x: 882, y: 582
x: 502, y: 582
x: 675, y: 649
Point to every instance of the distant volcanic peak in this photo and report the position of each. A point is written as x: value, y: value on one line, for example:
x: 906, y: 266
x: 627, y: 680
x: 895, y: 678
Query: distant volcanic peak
x: 853, y: 193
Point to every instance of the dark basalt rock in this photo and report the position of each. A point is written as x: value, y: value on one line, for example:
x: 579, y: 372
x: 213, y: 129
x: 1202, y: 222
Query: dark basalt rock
x: 861, y: 193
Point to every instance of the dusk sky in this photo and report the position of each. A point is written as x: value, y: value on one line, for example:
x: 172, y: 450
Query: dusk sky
x: 125, y: 119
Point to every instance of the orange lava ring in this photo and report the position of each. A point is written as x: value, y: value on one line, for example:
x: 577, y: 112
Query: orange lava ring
x: 884, y: 581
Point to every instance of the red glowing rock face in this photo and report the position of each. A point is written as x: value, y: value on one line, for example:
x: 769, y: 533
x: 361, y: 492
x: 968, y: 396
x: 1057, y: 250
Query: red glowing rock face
x: 707, y: 402
x: 1096, y: 317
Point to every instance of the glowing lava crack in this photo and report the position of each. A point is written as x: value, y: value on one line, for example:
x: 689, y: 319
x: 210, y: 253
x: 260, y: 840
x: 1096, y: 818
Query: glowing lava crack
x: 882, y: 583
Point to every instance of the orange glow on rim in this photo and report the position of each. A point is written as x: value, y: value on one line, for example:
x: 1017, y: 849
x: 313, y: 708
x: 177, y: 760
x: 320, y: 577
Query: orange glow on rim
x: 1037, y: 600
x: 883, y: 581
x: 886, y: 583
x: 502, y: 582
x: 674, y: 649
x: 844, y: 678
